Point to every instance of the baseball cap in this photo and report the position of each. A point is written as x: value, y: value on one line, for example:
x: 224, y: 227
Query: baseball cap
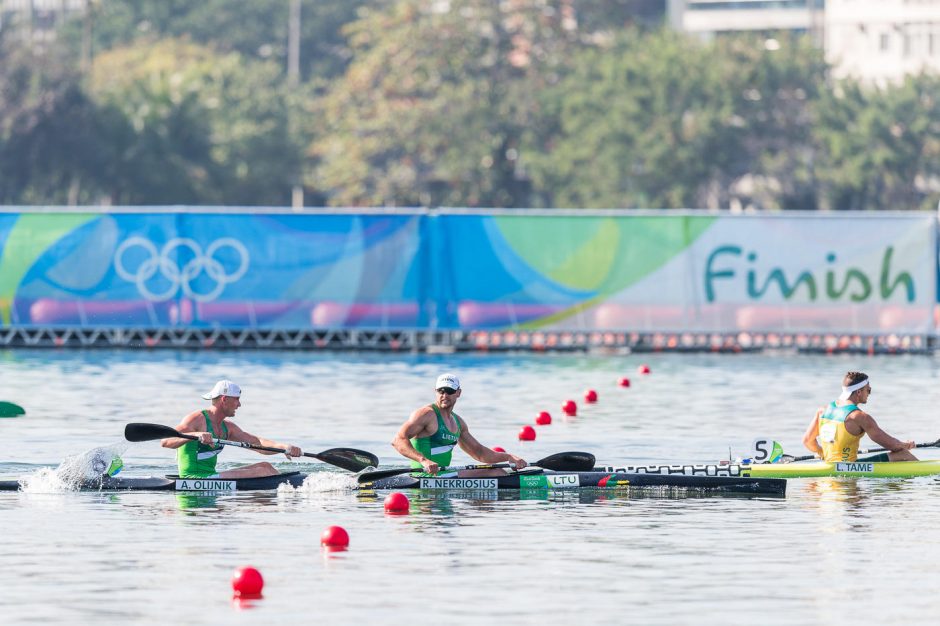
x: 223, y: 388
x: 447, y: 380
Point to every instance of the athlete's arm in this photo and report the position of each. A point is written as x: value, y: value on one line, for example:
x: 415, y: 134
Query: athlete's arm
x: 870, y: 427
x: 421, y: 423
x: 235, y: 433
x: 812, y: 433
x: 190, y: 426
x: 469, y: 444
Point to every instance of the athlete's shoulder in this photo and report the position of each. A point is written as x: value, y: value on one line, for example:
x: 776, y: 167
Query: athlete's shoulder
x: 424, y: 412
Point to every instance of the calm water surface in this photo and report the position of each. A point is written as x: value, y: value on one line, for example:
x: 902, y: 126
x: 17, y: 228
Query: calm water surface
x: 831, y: 551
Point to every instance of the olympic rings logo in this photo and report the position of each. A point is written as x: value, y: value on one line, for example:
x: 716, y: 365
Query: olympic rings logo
x: 179, y: 274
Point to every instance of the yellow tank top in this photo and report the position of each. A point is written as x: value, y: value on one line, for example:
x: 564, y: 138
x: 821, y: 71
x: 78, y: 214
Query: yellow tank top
x: 838, y: 444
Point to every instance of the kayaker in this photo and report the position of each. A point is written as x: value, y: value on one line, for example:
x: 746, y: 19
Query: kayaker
x: 837, y: 428
x: 429, y: 436
x: 198, y: 459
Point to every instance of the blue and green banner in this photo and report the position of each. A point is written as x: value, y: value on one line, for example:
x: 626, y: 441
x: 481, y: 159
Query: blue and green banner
x: 640, y: 271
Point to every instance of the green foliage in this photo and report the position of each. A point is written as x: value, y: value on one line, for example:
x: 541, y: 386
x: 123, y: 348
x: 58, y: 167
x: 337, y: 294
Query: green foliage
x: 454, y: 103
x: 880, y: 147
x: 437, y: 101
x: 51, y: 148
x: 256, y: 29
x: 661, y: 120
x: 201, y: 127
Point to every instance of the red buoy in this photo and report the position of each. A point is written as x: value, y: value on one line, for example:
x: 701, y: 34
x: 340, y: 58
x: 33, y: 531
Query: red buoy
x: 624, y: 382
x: 590, y: 396
x: 247, y: 581
x: 335, y: 537
x: 569, y: 408
x: 643, y: 369
x: 498, y: 449
x: 526, y: 433
x: 396, y: 502
x: 543, y: 418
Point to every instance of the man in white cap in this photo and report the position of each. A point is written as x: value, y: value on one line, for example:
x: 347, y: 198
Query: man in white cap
x: 197, y: 459
x: 837, y: 428
x: 430, y: 434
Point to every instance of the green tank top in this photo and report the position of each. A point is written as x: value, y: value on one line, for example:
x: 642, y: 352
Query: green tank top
x: 439, y: 447
x: 195, y: 460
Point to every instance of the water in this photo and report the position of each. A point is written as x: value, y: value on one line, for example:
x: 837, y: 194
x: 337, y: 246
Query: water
x: 833, y: 549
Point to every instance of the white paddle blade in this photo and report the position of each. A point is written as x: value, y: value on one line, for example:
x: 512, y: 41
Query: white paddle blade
x: 766, y: 450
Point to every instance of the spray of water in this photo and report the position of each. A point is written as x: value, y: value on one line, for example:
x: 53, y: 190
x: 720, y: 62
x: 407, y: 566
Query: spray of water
x: 75, y: 471
x: 321, y: 482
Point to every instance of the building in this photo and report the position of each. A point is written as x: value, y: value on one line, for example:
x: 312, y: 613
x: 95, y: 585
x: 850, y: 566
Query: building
x: 714, y: 17
x: 881, y: 41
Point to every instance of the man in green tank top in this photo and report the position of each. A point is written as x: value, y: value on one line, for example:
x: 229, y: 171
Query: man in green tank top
x: 429, y: 436
x: 197, y: 459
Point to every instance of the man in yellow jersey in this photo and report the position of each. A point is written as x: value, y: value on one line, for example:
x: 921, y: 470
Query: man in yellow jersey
x: 837, y: 428
x: 197, y: 459
x: 429, y: 436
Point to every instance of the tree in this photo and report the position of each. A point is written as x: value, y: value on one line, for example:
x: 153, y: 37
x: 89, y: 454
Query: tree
x: 880, y: 146
x: 203, y: 128
x: 659, y: 119
x: 51, y: 148
x: 438, y: 100
x: 257, y: 29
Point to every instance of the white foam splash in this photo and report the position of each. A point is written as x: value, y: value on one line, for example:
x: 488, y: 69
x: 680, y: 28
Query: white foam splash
x: 73, y: 471
x: 321, y: 482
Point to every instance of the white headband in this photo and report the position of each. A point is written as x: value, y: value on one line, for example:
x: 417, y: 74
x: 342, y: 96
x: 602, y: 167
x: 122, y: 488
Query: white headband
x: 848, y: 391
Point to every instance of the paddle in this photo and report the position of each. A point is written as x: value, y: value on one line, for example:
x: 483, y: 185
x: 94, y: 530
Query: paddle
x: 11, y: 409
x: 560, y: 462
x: 347, y: 458
x: 789, y: 458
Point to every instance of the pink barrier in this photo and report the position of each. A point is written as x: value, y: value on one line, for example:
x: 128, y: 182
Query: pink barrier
x: 471, y: 314
x: 340, y: 315
x: 122, y: 312
x: 251, y: 313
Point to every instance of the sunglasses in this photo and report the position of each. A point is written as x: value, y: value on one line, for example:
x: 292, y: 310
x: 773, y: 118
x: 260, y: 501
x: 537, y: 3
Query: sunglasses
x: 447, y: 391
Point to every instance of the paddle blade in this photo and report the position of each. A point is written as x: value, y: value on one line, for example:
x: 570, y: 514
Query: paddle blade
x: 148, y: 432
x: 568, y: 462
x: 368, y: 477
x: 11, y: 409
x: 348, y: 458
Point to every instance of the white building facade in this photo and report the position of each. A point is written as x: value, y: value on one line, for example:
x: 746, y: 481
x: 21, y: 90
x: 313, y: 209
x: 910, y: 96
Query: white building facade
x: 881, y: 41
x: 877, y: 41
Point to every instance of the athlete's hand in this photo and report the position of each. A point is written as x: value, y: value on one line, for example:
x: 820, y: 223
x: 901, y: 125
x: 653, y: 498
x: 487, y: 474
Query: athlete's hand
x: 519, y: 462
x: 292, y: 451
x: 430, y: 466
x: 909, y: 445
x: 205, y: 439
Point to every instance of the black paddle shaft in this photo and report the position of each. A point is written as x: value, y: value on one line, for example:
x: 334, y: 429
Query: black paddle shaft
x: 562, y: 462
x: 790, y: 459
x: 347, y: 458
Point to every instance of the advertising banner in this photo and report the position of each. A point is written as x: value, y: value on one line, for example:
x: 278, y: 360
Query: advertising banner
x: 643, y: 272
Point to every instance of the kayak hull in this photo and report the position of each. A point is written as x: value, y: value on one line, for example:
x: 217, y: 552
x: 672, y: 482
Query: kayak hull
x: 814, y: 469
x: 900, y: 469
x: 175, y: 483
x: 589, y: 480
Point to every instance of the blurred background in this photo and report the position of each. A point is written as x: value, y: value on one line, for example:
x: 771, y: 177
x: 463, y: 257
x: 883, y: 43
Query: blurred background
x: 697, y: 104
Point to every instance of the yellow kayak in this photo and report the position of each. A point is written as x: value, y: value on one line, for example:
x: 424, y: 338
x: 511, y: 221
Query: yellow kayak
x: 808, y: 469
x: 901, y: 469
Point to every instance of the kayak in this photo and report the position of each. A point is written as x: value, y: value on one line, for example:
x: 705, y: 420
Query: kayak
x: 520, y: 481
x: 812, y: 469
x: 897, y: 469
x: 175, y: 483
x: 590, y: 480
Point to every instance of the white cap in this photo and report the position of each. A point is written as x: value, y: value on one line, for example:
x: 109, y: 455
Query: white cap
x: 223, y: 388
x: 447, y: 380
